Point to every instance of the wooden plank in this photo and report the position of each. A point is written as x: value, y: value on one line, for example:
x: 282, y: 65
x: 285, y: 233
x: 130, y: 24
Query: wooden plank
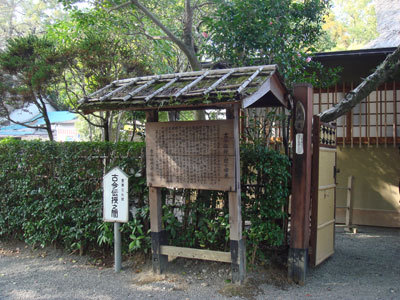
x: 359, y: 123
x: 301, y: 191
x: 367, y: 119
x: 386, y: 112
x: 326, y: 149
x: 195, y: 154
x: 254, y: 97
x: 237, y: 244
x: 349, y: 203
x: 326, y: 187
x: 152, y: 116
x: 323, y: 225
x: 302, y: 176
x: 235, y: 232
x: 376, y: 116
x: 155, y: 209
x: 196, y: 253
x: 314, y: 188
x: 394, y: 114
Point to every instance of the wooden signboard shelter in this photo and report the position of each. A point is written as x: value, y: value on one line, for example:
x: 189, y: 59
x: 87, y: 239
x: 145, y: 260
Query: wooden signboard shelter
x: 198, y: 154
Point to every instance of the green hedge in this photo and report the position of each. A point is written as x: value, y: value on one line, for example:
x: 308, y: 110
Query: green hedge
x: 51, y: 193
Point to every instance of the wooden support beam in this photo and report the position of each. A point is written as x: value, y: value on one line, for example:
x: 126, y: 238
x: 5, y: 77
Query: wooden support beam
x: 196, y: 253
x: 158, y: 236
x: 301, y: 186
x: 152, y: 116
x: 237, y: 244
x: 394, y: 114
x: 349, y: 206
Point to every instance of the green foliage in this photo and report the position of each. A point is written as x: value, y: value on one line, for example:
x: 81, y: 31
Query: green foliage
x: 52, y: 192
x: 265, y: 191
x: 350, y: 25
x: 32, y: 66
x: 283, y: 32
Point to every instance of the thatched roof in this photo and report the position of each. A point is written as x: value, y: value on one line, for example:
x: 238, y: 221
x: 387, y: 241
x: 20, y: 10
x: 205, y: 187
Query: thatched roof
x: 252, y: 86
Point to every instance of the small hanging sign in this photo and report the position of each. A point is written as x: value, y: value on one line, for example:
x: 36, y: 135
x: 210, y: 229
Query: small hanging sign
x: 299, y: 144
x: 115, y: 196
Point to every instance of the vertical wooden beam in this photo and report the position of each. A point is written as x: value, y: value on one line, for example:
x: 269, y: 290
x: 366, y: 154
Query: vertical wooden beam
x: 394, y: 114
x: 301, y: 190
x: 237, y: 244
x: 158, y: 236
x: 316, y: 131
x: 349, y: 205
x: 376, y: 115
x: 385, y: 132
x: 359, y: 124
x: 367, y: 119
x: 152, y: 116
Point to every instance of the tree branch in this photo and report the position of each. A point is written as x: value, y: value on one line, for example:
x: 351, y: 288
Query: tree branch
x: 386, y: 71
x: 190, y: 54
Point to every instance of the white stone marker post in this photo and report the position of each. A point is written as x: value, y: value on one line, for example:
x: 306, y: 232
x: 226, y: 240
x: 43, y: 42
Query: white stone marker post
x: 115, y: 207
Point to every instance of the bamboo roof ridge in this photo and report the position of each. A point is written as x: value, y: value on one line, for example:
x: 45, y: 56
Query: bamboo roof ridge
x: 256, y: 86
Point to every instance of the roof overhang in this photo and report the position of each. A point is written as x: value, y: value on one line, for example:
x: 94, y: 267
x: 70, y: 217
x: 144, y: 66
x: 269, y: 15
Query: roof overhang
x: 356, y: 64
x: 258, y: 86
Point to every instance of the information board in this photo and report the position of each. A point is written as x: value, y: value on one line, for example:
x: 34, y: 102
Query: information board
x: 115, y: 196
x: 195, y: 154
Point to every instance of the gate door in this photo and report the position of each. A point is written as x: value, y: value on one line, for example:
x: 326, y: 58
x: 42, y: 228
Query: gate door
x: 323, y: 193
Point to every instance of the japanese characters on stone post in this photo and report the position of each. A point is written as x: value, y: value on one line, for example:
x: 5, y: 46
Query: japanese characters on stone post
x: 115, y: 196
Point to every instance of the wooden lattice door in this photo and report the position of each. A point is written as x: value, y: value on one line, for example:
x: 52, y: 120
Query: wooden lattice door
x: 323, y: 193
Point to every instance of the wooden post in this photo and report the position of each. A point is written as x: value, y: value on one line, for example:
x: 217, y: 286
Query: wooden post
x: 158, y: 236
x: 301, y: 185
x: 237, y: 244
x: 349, y: 207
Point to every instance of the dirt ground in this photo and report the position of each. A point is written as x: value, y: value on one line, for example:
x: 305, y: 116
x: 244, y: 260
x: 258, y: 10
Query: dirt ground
x: 366, y: 265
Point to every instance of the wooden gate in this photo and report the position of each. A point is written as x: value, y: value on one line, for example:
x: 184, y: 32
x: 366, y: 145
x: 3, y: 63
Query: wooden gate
x: 323, y: 192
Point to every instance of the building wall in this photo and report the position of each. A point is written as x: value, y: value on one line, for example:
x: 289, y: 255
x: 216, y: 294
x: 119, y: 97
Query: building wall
x: 375, y: 195
x: 66, y: 132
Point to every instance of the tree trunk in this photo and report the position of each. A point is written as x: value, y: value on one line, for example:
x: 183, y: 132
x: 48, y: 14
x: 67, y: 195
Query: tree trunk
x: 386, y: 71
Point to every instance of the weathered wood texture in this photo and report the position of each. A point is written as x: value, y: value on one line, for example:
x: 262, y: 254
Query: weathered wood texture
x: 301, y: 189
x: 301, y: 175
x: 197, y: 155
x: 196, y: 253
x: 158, y: 235
x: 237, y: 244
